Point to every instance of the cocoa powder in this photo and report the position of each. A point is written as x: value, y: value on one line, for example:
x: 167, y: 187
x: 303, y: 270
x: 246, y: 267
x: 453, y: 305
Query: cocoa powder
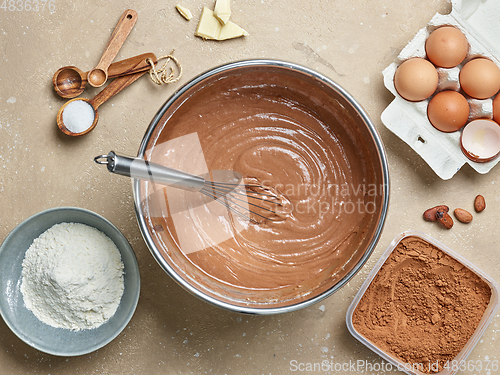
x: 422, y: 306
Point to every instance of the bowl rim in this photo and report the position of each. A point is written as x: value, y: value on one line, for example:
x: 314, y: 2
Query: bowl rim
x: 376, y: 139
x: 132, y: 264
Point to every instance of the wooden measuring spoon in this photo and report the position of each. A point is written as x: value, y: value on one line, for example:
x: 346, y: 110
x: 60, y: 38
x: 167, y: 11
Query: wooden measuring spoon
x: 99, y: 75
x: 83, y: 112
x: 69, y: 81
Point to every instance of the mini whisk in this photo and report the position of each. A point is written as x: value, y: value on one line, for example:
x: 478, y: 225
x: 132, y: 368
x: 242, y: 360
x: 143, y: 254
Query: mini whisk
x: 244, y: 200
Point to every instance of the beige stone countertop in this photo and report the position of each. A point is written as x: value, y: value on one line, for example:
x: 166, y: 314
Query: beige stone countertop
x: 173, y: 332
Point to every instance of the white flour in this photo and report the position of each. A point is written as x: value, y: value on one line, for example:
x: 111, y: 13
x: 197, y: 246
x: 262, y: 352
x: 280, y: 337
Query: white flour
x: 72, y: 277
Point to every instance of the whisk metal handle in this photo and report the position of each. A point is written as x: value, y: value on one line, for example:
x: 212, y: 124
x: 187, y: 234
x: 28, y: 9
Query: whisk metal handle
x: 145, y: 170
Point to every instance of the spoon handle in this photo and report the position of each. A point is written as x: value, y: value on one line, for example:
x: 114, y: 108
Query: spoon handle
x: 114, y: 88
x: 131, y: 65
x: 122, y: 29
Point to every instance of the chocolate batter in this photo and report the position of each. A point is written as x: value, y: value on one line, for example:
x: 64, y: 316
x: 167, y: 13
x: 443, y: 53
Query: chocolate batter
x: 281, y: 132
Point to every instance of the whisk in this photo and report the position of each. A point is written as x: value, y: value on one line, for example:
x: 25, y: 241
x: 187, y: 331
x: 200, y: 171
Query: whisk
x: 245, y: 200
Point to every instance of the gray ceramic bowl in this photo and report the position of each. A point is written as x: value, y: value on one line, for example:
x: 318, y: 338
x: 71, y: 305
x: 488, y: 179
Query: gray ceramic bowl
x: 24, y: 323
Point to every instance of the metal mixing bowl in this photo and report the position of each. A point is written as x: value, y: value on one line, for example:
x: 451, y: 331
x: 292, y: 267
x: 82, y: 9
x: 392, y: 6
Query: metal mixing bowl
x: 346, y: 111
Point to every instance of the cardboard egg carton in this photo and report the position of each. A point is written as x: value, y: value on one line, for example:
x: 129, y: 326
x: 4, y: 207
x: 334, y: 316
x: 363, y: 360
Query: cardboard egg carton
x: 478, y: 20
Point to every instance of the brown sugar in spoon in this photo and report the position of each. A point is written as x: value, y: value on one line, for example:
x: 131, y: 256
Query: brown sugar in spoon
x: 99, y: 75
x: 79, y: 116
x: 69, y: 81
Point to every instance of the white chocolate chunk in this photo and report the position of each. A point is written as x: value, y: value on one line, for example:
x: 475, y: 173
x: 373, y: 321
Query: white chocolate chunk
x: 185, y: 12
x: 210, y: 28
x: 222, y: 11
x: 231, y: 30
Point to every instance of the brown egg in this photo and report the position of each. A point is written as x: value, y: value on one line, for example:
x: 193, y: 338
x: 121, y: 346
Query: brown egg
x: 480, y: 78
x: 446, y: 47
x: 448, y: 111
x: 496, y: 109
x: 416, y: 79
